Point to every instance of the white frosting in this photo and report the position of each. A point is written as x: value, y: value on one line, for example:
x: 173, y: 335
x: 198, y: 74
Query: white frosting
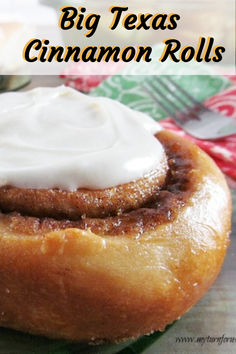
x: 58, y: 137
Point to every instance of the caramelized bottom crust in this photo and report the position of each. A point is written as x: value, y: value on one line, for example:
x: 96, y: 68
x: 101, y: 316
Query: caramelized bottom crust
x: 106, y: 279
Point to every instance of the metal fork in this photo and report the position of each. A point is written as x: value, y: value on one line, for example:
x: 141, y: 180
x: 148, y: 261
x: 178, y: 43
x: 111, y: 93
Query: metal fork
x: 192, y: 116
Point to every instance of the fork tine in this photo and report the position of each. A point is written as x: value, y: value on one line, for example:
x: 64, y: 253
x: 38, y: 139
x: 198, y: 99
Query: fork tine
x: 163, y: 104
x: 164, y: 97
x: 190, y: 114
x: 156, y: 99
x: 180, y: 118
x: 209, y: 124
x: 184, y: 92
x: 163, y: 84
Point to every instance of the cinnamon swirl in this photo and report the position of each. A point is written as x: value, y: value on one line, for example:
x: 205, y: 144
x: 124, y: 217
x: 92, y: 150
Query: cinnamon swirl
x: 102, y: 262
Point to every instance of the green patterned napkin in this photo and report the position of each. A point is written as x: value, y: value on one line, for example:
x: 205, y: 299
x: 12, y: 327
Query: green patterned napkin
x: 128, y: 90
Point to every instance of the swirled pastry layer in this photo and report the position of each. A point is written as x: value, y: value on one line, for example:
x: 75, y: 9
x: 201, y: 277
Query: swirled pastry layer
x: 125, y: 226
x: 118, y: 276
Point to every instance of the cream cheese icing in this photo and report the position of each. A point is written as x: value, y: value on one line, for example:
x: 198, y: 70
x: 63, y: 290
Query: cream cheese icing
x: 60, y: 138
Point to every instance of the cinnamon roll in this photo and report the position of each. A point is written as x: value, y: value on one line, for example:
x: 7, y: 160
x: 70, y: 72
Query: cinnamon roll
x: 113, y: 229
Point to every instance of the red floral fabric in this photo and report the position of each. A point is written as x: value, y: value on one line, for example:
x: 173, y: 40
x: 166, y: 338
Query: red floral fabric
x: 79, y: 75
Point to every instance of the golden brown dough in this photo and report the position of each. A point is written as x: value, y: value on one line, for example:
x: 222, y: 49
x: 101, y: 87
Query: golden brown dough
x: 119, y: 276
